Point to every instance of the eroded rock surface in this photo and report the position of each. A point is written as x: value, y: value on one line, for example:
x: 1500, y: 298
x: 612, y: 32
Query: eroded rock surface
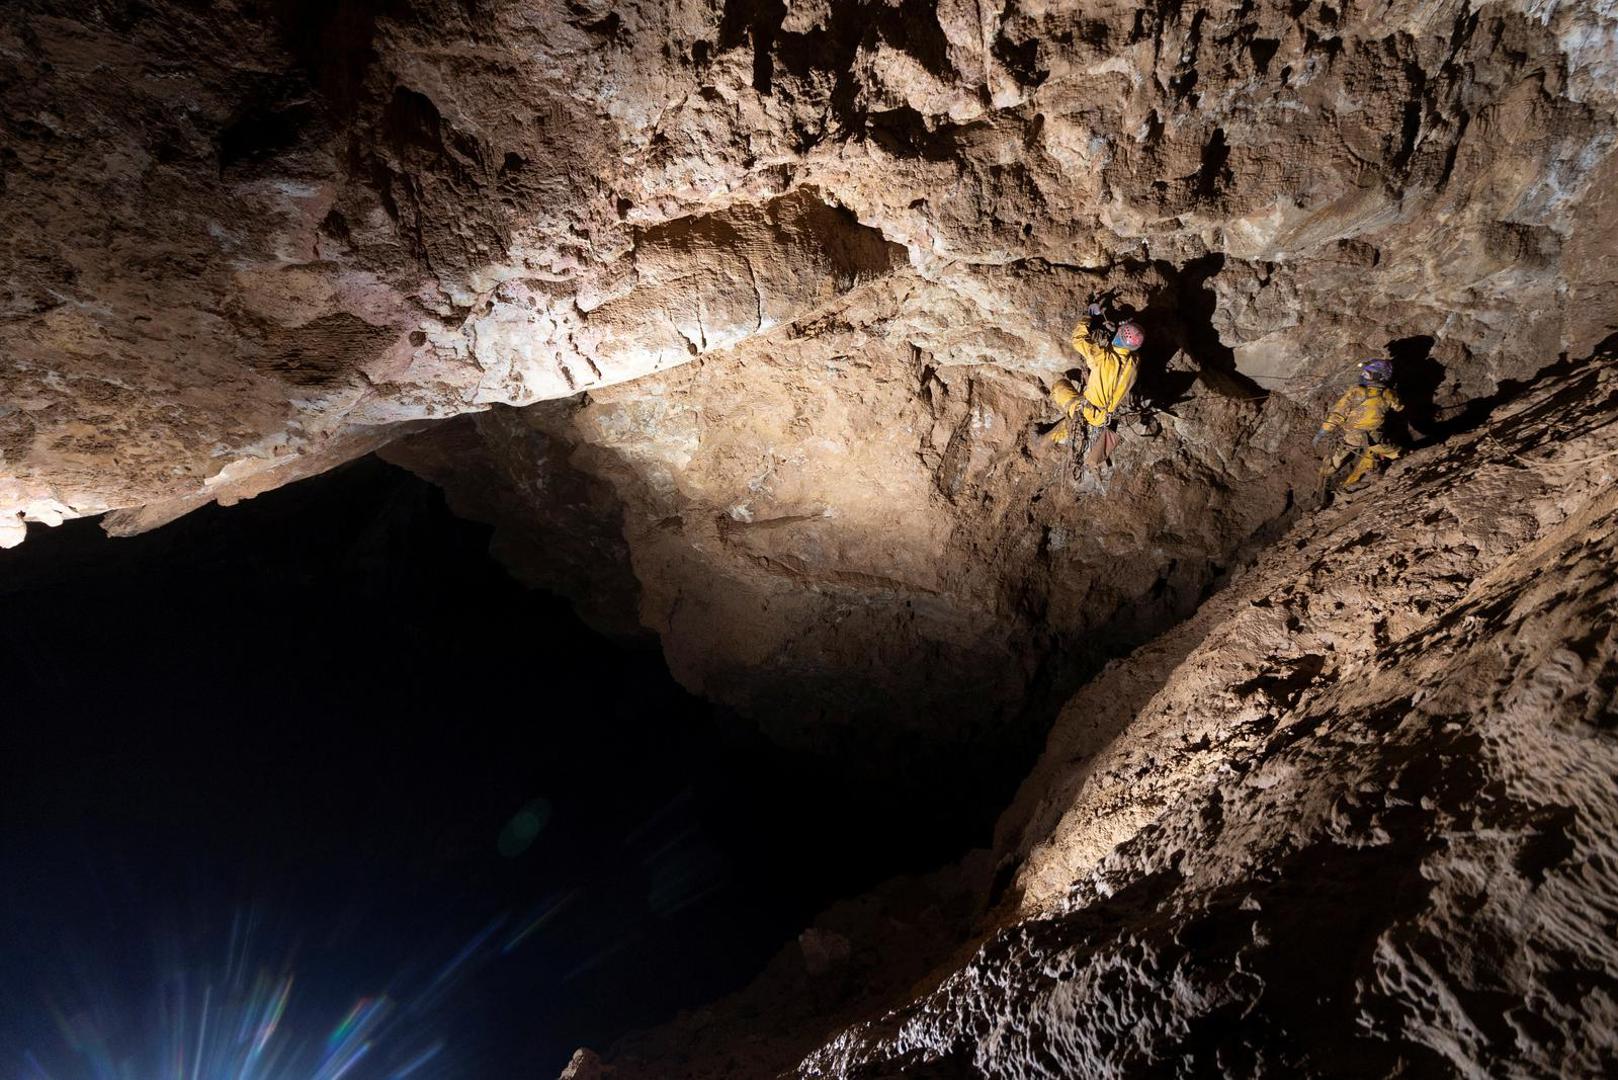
x: 873, y: 552
x: 1354, y: 818
x: 247, y: 241
x: 737, y: 319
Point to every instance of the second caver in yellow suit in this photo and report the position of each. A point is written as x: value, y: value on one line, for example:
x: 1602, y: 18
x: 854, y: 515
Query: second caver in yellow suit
x: 1111, y: 378
x: 1357, y: 420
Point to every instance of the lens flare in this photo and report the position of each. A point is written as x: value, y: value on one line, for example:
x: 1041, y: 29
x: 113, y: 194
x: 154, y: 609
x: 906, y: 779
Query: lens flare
x: 244, y: 1019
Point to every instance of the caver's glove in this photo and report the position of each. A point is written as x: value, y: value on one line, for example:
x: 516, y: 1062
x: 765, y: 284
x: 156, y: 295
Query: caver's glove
x: 1093, y: 310
x: 1319, y: 435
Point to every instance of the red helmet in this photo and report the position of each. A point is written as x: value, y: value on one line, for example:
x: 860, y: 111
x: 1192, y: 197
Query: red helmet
x: 1129, y: 335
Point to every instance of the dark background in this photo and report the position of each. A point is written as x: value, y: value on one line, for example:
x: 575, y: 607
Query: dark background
x: 318, y: 710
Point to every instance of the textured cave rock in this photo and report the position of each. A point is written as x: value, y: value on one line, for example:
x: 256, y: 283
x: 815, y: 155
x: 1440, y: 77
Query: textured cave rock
x: 1354, y: 818
x: 778, y: 291
x: 870, y: 551
x: 248, y: 241
x: 736, y: 321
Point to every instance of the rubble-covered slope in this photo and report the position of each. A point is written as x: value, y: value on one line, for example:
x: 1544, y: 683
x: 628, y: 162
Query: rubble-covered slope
x: 737, y: 319
x: 1352, y: 818
x: 1355, y: 818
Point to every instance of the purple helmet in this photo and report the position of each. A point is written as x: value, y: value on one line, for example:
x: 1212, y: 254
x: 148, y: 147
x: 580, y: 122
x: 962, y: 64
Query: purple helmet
x: 1376, y: 370
x: 1129, y: 335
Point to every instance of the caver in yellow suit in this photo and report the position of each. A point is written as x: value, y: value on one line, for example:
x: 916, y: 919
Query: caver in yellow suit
x: 1357, y: 420
x: 1112, y: 370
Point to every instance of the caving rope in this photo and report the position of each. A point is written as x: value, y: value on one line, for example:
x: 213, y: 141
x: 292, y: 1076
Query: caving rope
x: 1078, y: 442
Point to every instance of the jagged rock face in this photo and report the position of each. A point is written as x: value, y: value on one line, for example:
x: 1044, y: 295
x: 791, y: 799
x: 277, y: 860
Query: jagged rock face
x: 251, y: 240
x: 874, y: 554
x: 737, y: 320
x: 1355, y: 818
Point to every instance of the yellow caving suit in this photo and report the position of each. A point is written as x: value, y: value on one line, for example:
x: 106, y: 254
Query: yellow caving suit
x: 1111, y: 378
x: 1357, y: 418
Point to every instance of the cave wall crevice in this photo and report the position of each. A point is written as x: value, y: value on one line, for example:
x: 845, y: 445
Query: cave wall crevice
x: 737, y: 321
x: 248, y: 238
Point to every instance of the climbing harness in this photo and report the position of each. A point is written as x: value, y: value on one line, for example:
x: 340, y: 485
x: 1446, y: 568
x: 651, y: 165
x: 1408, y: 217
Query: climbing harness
x: 1092, y: 413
